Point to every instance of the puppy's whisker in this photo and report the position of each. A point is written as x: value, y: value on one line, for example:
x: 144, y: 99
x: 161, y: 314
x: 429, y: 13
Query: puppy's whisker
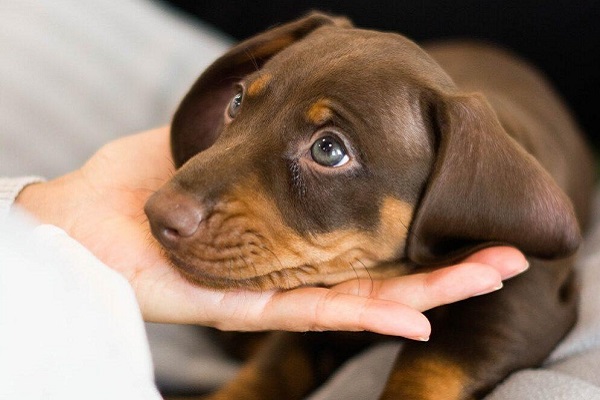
x: 148, y: 239
x: 248, y: 265
x: 357, y: 277
x: 230, y: 269
x: 172, y: 162
x: 409, y: 233
x: 141, y: 216
x: 273, y: 254
x: 370, y: 277
x: 263, y: 246
x: 252, y: 59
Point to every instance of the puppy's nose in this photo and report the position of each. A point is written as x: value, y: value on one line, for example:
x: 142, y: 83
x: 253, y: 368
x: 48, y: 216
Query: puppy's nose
x: 173, y: 216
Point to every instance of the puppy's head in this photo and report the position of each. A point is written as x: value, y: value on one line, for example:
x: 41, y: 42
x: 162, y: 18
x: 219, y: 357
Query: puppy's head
x: 316, y: 152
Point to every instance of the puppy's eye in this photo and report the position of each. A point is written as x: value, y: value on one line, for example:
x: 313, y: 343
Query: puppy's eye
x: 235, y: 104
x: 329, y: 152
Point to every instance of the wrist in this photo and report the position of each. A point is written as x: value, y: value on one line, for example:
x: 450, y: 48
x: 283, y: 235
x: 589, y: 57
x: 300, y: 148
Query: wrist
x: 49, y: 202
x: 29, y: 199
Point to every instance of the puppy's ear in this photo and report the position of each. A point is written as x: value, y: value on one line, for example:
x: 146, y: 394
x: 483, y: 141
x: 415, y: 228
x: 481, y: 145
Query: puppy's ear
x: 486, y: 189
x: 198, y: 120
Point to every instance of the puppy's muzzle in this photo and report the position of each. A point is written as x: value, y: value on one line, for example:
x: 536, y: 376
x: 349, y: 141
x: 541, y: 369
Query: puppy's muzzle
x: 174, y: 216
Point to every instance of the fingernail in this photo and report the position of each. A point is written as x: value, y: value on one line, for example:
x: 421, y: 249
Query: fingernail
x: 490, y: 290
x: 422, y: 338
x: 518, y: 271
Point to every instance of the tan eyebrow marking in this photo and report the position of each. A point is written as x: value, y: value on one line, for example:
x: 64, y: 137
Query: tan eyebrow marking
x: 259, y: 85
x: 319, y: 112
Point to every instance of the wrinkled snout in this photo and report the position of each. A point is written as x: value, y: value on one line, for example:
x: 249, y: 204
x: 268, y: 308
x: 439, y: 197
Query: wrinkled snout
x: 173, y: 216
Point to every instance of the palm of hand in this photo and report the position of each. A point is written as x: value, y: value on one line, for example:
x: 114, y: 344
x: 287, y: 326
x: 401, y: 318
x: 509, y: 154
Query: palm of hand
x: 101, y: 206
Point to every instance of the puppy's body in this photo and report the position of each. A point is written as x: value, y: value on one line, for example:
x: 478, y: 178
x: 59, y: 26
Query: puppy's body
x: 346, y: 153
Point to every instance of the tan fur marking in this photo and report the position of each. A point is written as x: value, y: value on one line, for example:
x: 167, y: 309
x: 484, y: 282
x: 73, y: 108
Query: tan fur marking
x: 394, y: 219
x: 319, y: 112
x: 443, y: 380
x: 248, y: 222
x: 282, y: 369
x: 429, y: 379
x: 337, y: 256
x: 259, y: 85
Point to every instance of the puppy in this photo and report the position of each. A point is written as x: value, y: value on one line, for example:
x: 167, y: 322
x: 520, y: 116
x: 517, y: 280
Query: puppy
x: 316, y: 152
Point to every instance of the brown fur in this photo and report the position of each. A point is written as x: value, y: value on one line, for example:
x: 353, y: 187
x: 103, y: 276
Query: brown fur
x: 434, y: 172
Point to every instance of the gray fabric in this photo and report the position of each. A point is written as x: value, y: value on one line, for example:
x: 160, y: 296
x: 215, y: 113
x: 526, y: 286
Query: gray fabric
x: 186, y: 359
x: 75, y: 74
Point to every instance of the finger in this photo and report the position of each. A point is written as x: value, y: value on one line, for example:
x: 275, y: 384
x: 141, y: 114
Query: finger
x: 424, y: 291
x: 508, y: 261
x: 320, y: 309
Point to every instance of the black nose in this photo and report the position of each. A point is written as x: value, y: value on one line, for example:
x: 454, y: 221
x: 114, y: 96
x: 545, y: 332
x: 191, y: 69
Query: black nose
x: 173, y: 216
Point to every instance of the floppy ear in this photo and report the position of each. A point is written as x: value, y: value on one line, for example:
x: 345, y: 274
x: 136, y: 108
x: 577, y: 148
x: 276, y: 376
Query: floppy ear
x: 485, y: 189
x: 199, y: 118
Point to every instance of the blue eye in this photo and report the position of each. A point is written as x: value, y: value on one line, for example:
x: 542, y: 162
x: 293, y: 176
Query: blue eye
x: 235, y: 104
x: 329, y: 152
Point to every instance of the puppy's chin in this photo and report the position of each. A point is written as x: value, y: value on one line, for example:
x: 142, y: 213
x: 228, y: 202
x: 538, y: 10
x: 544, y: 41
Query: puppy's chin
x: 275, y: 280
x: 282, y: 279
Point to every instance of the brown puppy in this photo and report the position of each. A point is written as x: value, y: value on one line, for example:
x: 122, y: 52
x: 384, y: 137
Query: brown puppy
x: 316, y: 153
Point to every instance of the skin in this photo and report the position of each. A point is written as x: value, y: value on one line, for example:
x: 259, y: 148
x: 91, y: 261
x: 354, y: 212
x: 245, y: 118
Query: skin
x: 101, y: 206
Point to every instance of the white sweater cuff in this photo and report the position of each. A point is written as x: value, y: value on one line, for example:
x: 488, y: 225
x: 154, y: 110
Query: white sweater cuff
x: 10, y: 189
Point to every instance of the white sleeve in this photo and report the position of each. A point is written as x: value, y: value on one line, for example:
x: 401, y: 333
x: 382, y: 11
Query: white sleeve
x: 70, y: 327
x: 10, y: 189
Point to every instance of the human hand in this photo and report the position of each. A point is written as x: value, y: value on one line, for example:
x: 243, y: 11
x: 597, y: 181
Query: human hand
x: 101, y: 206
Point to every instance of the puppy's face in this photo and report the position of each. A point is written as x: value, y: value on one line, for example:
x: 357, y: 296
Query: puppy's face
x: 314, y: 166
x: 316, y: 170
